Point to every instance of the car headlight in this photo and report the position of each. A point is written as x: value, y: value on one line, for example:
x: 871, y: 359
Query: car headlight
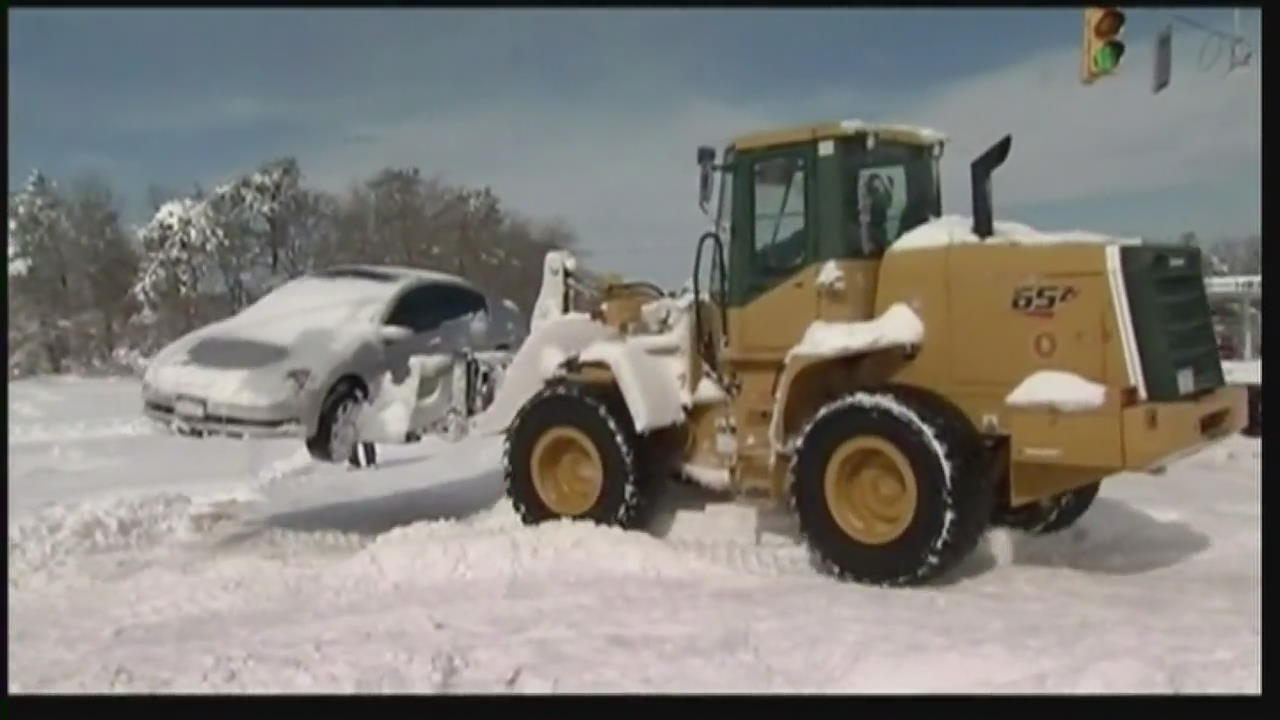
x: 299, y: 378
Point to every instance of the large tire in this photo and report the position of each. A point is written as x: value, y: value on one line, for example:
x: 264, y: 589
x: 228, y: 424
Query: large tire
x: 1049, y: 515
x: 589, y: 433
x: 936, y: 460
x: 334, y: 440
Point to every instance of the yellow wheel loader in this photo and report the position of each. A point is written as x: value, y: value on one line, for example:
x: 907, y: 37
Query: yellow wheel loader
x: 899, y: 379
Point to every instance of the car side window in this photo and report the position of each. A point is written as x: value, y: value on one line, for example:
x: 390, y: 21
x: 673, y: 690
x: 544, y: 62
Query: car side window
x: 425, y: 308
x: 457, y: 302
x: 416, y: 310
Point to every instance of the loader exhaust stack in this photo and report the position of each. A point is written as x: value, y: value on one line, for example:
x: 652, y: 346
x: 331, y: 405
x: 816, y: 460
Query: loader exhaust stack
x: 980, y: 179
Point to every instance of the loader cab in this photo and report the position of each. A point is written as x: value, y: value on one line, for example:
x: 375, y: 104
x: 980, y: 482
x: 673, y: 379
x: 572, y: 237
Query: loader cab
x: 793, y: 199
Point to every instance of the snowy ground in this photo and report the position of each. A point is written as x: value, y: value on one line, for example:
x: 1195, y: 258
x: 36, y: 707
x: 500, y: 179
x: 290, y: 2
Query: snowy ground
x: 145, y: 562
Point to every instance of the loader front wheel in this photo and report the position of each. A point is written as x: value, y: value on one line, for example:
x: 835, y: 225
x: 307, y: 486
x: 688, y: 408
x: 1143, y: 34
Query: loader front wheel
x: 887, y: 491
x: 571, y: 454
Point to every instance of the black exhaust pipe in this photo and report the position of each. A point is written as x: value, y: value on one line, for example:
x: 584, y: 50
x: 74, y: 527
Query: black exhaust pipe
x: 980, y: 180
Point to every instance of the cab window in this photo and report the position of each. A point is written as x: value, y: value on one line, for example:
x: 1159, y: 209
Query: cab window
x: 779, y: 203
x: 889, y: 190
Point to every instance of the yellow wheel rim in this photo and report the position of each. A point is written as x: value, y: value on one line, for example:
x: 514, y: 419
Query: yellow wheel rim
x: 870, y: 490
x: 567, y: 471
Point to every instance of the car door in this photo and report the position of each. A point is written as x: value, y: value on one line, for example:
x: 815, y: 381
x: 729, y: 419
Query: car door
x: 439, y: 316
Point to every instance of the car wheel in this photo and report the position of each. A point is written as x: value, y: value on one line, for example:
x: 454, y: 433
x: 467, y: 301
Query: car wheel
x: 337, y: 437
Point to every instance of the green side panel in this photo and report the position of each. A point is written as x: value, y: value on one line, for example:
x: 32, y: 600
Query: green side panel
x: 743, y: 230
x: 830, y: 210
x: 1171, y: 319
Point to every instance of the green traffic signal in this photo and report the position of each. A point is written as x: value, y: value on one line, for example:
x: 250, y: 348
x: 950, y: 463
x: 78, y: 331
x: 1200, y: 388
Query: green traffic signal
x: 1107, y: 58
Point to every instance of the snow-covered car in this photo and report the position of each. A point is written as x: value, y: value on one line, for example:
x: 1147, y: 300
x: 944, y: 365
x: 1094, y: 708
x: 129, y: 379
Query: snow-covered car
x: 347, y: 355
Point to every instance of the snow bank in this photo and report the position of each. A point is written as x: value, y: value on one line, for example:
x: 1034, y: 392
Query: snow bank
x: 1063, y: 391
x: 59, y: 532
x: 958, y: 230
x: 478, y: 603
x: 897, y: 326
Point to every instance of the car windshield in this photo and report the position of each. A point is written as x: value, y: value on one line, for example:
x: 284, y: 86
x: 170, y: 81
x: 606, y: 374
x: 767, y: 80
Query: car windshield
x: 355, y: 272
x: 890, y: 188
x: 312, y: 291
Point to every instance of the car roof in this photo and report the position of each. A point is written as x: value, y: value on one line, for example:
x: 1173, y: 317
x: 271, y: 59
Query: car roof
x: 397, y: 274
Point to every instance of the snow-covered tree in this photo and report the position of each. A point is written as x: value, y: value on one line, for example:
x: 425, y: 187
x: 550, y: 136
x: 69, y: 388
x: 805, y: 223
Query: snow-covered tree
x: 230, y: 240
x: 107, y: 264
x: 180, y: 245
x: 40, y: 268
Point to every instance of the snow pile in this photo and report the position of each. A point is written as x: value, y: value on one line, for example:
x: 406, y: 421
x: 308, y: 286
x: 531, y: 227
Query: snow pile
x: 298, y: 300
x: 1242, y: 372
x: 388, y: 414
x: 709, y: 477
x: 79, y: 430
x: 437, y: 587
x: 651, y: 367
x: 652, y: 370
x: 130, y: 523
x: 958, y: 230
x: 652, y: 389
x: 929, y: 135
x: 831, y: 277
x: 708, y: 392
x: 1063, y: 391
x: 498, y: 547
x: 537, y: 360
x: 898, y: 326
x: 556, y: 266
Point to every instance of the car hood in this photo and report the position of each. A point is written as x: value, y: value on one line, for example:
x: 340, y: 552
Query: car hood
x: 250, y: 353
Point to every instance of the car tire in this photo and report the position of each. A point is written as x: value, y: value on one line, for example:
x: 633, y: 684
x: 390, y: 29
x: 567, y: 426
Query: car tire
x: 363, y: 455
x: 339, y: 408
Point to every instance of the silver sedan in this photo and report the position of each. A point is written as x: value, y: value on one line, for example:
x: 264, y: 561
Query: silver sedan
x: 348, y: 355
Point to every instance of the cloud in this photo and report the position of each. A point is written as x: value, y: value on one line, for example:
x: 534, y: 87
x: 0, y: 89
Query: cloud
x: 1077, y: 142
x: 625, y: 178
x: 604, y: 135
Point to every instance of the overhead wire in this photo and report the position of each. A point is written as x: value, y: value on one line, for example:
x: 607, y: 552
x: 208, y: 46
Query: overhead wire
x: 1218, y: 41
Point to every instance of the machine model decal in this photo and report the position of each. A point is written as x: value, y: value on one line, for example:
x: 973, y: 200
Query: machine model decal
x: 1041, y: 300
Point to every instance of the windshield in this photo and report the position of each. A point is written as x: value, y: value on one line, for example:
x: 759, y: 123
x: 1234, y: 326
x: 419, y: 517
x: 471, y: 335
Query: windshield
x: 889, y: 189
x: 312, y: 292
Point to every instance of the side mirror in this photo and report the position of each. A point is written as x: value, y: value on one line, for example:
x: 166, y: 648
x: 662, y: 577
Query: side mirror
x: 706, y: 163
x: 394, y: 333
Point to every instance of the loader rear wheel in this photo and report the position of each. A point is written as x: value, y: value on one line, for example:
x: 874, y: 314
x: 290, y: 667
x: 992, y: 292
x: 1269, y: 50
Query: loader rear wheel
x: 889, y: 489
x: 1051, y: 515
x: 570, y: 453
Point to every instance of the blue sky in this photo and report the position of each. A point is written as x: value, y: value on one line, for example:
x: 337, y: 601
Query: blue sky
x: 594, y: 115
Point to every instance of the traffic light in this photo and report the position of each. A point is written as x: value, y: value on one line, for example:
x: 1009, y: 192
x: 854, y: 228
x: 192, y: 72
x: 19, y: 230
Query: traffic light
x: 1102, y: 48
